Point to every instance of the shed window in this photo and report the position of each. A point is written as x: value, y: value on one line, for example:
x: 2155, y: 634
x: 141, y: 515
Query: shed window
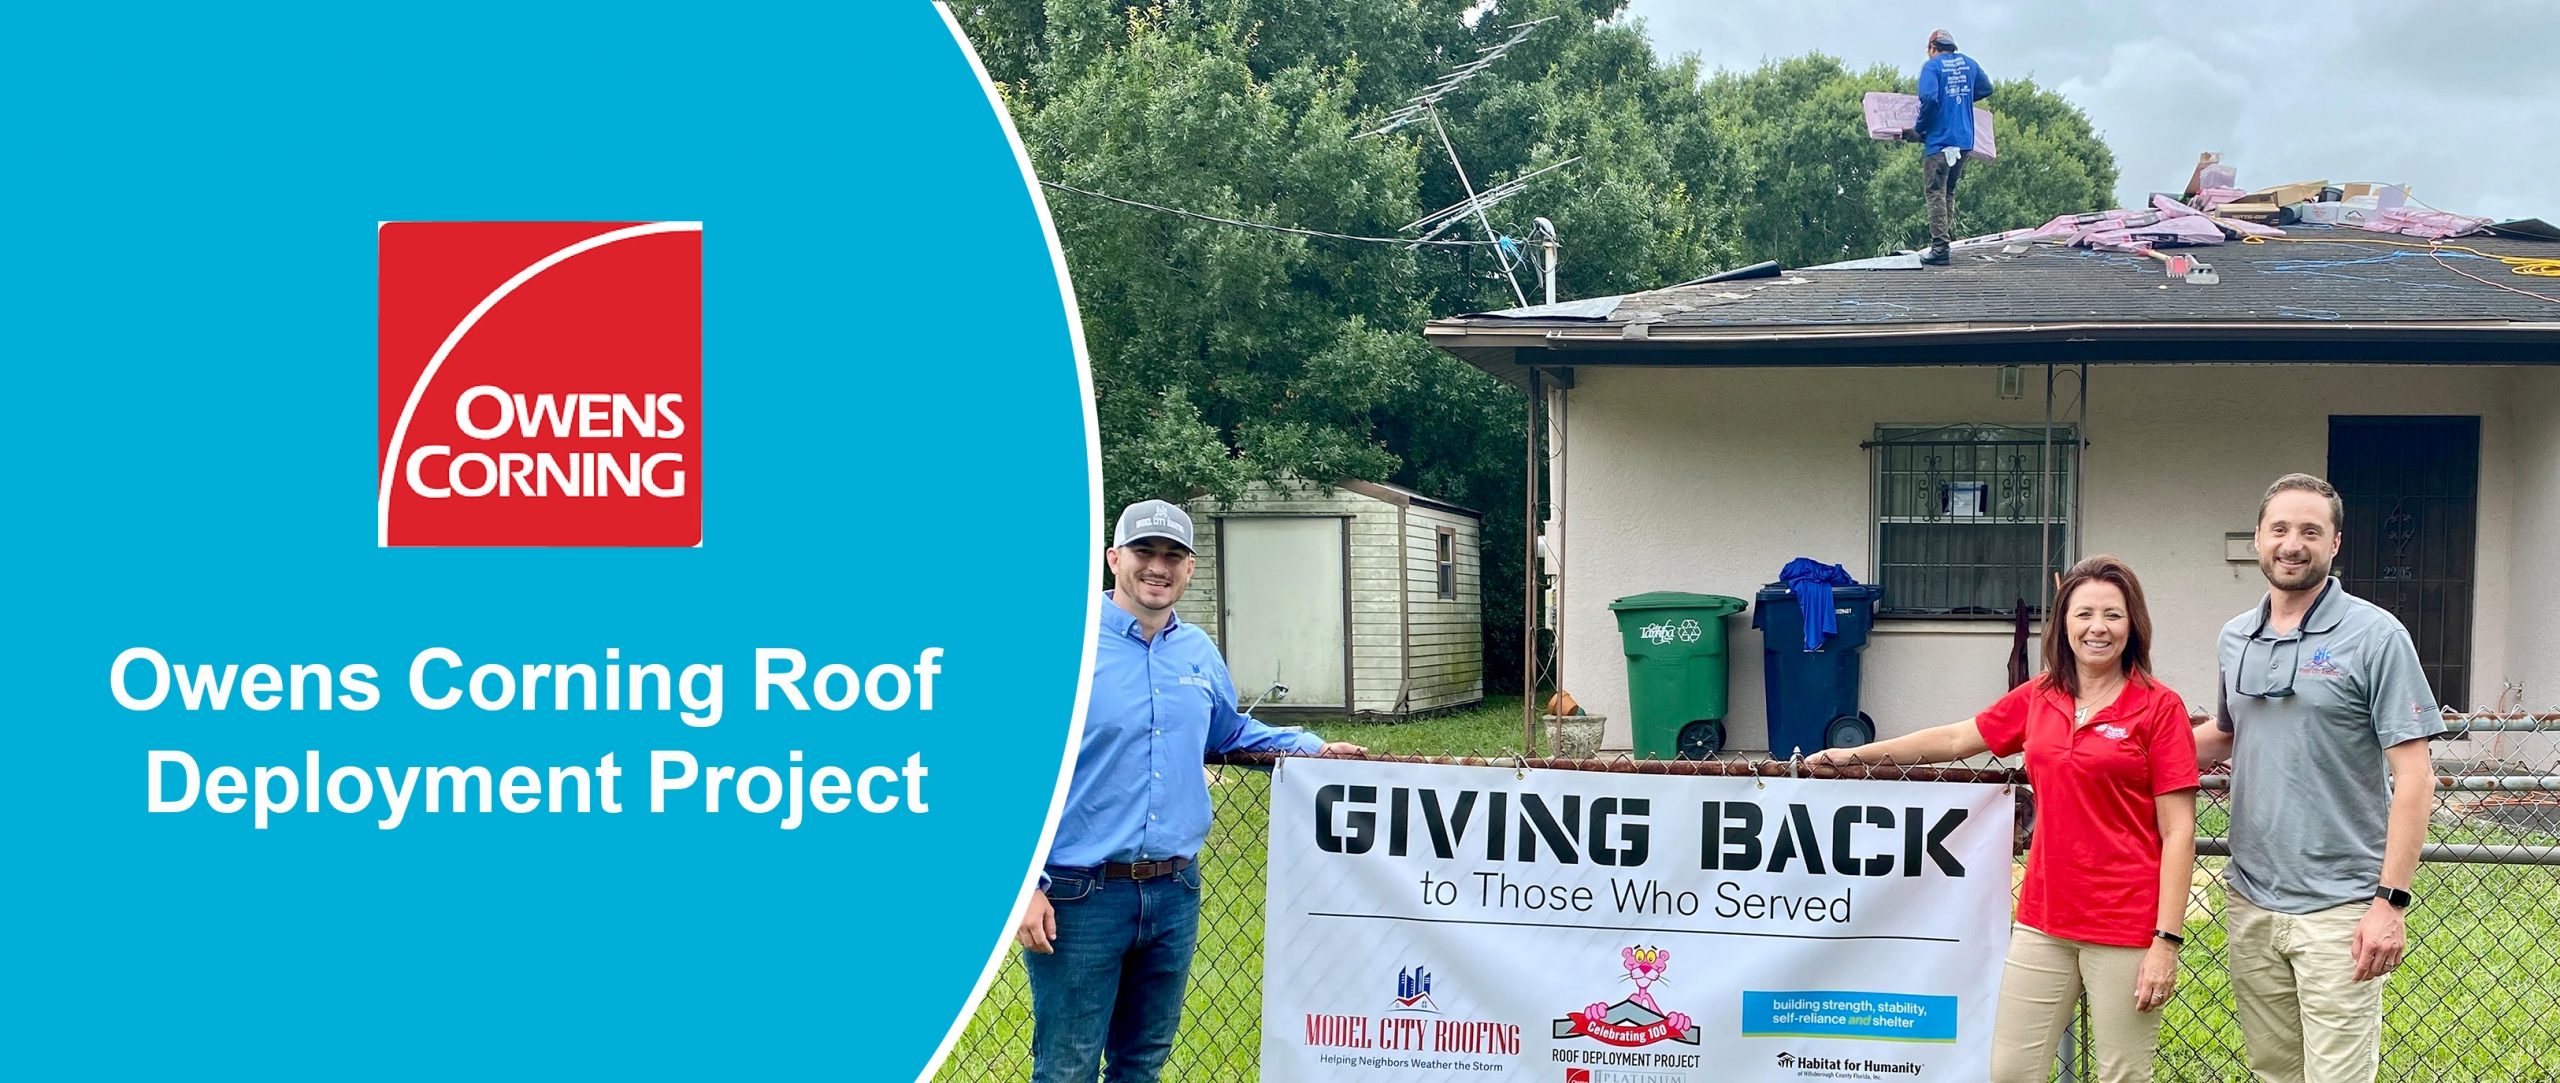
x: 1960, y: 512
x: 1448, y: 554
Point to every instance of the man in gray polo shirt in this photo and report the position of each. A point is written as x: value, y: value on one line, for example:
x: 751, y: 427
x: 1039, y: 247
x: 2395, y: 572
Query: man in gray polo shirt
x: 2325, y: 716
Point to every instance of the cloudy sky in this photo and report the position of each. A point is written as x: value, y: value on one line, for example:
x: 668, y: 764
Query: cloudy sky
x: 2453, y: 99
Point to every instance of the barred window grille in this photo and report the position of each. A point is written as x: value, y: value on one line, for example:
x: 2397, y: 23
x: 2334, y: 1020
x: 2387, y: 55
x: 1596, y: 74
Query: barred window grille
x: 1961, y: 512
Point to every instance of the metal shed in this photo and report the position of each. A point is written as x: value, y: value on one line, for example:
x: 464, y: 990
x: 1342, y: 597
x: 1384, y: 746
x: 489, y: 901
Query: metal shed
x: 1360, y: 597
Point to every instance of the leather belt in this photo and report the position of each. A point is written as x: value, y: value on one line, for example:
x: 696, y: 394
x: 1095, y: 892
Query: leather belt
x: 1144, y: 870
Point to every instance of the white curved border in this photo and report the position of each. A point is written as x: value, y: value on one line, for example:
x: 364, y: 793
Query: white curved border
x: 400, y: 432
x: 1093, y: 534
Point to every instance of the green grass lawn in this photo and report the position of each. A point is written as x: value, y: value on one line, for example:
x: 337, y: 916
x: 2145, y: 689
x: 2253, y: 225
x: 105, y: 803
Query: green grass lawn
x: 2473, y: 1002
x: 1491, y: 728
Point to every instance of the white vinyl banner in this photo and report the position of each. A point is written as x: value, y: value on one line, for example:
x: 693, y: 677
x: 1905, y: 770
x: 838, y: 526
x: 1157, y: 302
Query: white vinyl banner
x: 1479, y: 923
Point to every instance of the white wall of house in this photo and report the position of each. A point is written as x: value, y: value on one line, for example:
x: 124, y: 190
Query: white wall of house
x: 2533, y: 630
x: 1711, y: 480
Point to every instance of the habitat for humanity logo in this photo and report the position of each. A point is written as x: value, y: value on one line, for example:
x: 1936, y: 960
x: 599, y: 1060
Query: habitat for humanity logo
x: 540, y: 384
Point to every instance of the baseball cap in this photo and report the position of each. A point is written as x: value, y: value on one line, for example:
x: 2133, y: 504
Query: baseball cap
x: 1942, y: 39
x: 1153, y: 519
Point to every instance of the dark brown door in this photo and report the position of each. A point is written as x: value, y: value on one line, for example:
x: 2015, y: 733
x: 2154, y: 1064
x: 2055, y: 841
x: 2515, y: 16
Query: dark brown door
x: 2412, y: 487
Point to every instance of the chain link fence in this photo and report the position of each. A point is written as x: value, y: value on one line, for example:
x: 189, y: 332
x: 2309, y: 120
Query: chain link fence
x: 2475, y: 1001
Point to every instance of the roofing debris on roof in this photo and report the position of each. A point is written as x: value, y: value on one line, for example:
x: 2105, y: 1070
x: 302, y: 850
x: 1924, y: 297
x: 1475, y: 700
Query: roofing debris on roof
x: 2335, y: 252
x: 2215, y: 213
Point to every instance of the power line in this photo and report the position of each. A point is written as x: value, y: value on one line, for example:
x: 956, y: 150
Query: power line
x: 1406, y: 242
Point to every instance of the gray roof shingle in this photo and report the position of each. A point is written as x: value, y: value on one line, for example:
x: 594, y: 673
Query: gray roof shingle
x: 2317, y: 285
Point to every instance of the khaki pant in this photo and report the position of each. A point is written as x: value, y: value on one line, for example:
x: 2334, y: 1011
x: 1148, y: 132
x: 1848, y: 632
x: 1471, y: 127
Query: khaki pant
x: 2038, y: 988
x: 2305, y: 1017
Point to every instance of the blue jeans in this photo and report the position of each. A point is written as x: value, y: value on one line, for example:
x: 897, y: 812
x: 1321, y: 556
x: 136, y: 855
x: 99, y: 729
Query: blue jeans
x: 1113, y: 988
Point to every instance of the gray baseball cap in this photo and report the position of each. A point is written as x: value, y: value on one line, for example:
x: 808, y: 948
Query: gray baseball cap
x: 1153, y: 519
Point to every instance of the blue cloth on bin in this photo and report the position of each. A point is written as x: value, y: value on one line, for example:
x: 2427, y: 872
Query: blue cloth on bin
x: 1811, y: 581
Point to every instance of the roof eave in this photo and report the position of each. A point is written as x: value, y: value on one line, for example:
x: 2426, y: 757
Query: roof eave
x: 1508, y: 351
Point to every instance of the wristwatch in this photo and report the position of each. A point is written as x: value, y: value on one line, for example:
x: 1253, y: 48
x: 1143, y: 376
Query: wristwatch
x: 2398, y: 898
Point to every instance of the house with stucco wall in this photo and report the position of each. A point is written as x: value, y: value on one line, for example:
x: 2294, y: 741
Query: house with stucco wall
x: 1956, y: 435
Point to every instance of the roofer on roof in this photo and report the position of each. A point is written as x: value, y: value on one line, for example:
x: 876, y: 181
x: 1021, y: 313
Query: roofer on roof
x: 1950, y: 82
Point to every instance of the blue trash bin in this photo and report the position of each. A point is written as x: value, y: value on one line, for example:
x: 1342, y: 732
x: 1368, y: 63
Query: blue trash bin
x: 1813, y: 695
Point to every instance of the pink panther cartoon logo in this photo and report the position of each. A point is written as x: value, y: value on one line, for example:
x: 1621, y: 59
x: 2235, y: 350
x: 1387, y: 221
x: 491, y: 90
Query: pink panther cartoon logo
x: 1638, y: 1020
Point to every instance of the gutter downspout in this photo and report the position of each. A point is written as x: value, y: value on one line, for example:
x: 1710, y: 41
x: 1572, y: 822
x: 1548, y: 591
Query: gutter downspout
x: 1529, y: 576
x: 1556, y: 518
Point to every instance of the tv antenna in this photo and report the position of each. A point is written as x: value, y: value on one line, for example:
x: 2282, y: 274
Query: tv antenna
x: 1426, y: 106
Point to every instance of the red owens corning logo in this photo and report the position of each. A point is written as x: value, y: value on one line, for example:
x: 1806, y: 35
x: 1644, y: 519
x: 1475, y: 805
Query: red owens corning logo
x: 540, y: 384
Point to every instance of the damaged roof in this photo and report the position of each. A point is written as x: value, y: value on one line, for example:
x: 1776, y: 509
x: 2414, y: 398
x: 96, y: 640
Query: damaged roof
x: 2317, y: 295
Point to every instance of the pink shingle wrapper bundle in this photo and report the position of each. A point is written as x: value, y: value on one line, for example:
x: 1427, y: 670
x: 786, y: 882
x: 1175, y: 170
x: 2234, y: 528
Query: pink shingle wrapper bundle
x: 2245, y: 228
x: 2209, y: 198
x: 2168, y: 223
x: 2136, y: 235
x: 2171, y: 207
x: 2432, y: 225
x: 1888, y: 114
x: 2229, y: 226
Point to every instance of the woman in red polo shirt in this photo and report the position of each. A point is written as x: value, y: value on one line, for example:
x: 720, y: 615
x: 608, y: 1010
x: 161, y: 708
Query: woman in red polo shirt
x: 2104, y: 905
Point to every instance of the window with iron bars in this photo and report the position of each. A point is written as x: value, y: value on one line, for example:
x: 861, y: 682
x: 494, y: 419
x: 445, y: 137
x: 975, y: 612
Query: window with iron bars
x: 1961, y: 512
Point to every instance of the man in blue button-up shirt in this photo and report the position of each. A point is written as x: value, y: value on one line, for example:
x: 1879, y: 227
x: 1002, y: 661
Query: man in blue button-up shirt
x: 1110, y: 930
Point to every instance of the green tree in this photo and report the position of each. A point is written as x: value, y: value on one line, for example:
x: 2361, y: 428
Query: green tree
x: 1818, y: 189
x: 2051, y: 162
x: 1225, y: 354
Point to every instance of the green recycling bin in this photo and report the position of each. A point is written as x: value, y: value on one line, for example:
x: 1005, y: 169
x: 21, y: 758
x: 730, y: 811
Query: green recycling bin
x: 1677, y: 671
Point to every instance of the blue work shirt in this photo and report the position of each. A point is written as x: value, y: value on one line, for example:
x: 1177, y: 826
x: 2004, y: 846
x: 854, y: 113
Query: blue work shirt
x: 1949, y: 85
x: 1157, y: 709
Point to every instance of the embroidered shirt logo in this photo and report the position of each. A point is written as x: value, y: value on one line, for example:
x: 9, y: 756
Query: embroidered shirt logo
x: 2113, y: 732
x: 2321, y: 665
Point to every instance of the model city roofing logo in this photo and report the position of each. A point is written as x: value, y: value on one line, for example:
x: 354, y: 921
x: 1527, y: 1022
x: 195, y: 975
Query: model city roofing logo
x: 540, y: 384
x: 1401, y: 1026
x: 1413, y: 991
